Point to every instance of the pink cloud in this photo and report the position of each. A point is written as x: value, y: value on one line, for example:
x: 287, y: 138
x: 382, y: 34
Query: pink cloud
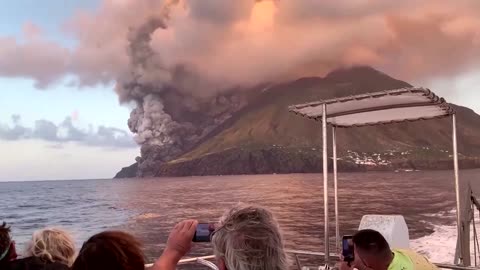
x: 224, y: 43
x: 44, y: 61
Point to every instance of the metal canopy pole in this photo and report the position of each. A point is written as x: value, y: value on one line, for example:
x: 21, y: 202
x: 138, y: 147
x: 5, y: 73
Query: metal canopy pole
x: 335, y: 186
x: 457, y: 188
x: 325, y: 184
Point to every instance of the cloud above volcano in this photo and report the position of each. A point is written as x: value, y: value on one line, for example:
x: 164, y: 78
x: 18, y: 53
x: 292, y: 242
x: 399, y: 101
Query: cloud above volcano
x: 225, y: 43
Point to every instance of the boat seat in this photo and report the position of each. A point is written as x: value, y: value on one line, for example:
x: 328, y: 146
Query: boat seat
x: 392, y: 227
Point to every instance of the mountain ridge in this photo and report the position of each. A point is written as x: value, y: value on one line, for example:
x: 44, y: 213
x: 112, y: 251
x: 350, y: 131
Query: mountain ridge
x: 263, y: 137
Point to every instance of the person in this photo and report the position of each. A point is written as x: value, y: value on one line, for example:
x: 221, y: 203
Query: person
x: 49, y: 249
x: 372, y: 252
x: 246, y: 238
x: 7, y: 246
x: 110, y: 250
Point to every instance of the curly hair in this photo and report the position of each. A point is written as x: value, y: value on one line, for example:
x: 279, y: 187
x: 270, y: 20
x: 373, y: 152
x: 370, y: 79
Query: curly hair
x: 52, y: 244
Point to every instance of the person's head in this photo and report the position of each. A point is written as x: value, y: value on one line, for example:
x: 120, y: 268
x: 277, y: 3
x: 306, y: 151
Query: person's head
x: 52, y: 244
x: 7, y: 246
x: 248, y: 238
x: 110, y: 250
x: 372, y: 248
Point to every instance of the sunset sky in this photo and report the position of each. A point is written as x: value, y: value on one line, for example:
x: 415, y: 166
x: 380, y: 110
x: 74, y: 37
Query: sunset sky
x: 61, y: 118
x: 36, y: 158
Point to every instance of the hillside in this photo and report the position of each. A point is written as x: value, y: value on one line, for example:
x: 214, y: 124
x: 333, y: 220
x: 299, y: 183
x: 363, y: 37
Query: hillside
x: 265, y: 138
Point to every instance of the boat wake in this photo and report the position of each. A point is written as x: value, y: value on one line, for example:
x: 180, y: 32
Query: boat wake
x: 440, y: 246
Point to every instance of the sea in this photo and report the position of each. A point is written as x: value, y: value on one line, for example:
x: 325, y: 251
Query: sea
x: 149, y: 207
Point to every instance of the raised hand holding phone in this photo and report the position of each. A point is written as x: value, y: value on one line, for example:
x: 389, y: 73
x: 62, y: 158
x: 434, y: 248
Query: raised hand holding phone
x: 204, y: 232
x: 348, y: 251
x: 179, y: 244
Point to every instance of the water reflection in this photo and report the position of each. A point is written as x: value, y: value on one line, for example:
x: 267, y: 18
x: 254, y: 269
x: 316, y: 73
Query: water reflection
x: 149, y: 208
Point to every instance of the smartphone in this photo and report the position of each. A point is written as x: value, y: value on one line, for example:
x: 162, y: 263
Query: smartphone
x: 348, y: 252
x: 204, y: 232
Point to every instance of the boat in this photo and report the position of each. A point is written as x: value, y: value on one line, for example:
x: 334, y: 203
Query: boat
x: 381, y: 108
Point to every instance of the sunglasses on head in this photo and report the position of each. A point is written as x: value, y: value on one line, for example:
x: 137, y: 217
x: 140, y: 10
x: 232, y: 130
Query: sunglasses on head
x: 4, y: 254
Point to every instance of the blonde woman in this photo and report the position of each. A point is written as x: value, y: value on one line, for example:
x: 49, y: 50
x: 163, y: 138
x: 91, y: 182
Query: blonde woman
x: 49, y: 249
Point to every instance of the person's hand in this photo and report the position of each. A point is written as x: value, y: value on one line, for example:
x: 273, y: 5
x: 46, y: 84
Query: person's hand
x: 358, y: 263
x: 343, y: 266
x: 179, y: 244
x: 180, y: 240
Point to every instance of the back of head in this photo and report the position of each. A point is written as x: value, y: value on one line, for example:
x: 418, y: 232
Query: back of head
x: 110, y: 250
x: 371, y: 243
x: 249, y: 238
x: 53, y: 245
x: 5, y: 242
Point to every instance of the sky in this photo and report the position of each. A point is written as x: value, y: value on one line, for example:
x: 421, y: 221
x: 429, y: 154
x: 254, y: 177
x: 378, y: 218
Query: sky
x: 72, y: 70
x: 33, y: 158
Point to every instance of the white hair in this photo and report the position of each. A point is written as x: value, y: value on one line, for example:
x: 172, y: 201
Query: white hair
x: 52, y: 244
x: 249, y: 238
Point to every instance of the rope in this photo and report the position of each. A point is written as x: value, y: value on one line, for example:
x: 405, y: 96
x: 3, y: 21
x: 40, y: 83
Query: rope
x: 476, y: 244
x: 475, y: 239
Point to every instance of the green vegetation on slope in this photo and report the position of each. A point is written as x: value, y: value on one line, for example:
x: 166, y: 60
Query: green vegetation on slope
x: 266, y: 122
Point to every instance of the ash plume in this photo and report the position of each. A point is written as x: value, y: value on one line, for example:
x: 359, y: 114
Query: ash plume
x: 144, y: 83
x: 165, y: 132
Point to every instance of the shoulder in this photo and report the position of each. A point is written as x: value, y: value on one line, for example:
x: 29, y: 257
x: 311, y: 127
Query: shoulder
x: 400, y: 261
x: 5, y: 265
x: 57, y: 266
x: 418, y: 261
x: 20, y: 263
x: 34, y: 263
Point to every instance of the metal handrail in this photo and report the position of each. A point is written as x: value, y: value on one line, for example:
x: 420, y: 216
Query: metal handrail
x: 195, y: 259
x: 203, y: 260
x: 312, y: 253
x: 189, y: 260
x: 209, y: 264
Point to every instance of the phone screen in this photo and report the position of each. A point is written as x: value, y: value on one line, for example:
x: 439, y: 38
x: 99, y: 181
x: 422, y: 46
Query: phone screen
x: 203, y: 232
x: 348, y: 249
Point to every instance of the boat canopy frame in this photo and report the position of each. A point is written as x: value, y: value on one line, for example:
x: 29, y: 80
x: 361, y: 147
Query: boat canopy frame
x: 377, y: 108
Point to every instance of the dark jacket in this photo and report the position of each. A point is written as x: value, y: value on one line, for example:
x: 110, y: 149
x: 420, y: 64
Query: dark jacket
x: 34, y: 263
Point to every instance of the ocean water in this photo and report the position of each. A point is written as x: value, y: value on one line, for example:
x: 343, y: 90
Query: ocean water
x: 149, y: 208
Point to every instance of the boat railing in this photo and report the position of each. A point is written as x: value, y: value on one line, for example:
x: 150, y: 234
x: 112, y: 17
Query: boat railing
x: 204, y: 260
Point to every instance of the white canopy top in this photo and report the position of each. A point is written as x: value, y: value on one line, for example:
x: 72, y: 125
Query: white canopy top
x: 384, y: 107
